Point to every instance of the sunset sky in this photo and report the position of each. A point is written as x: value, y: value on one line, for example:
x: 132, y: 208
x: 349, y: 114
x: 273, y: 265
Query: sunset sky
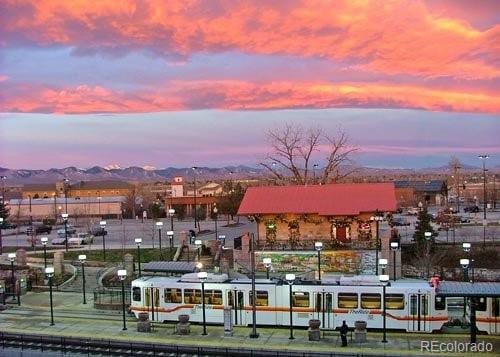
x: 182, y: 83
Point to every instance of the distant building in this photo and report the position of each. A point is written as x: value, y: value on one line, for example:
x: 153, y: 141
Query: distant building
x: 107, y: 188
x: 410, y: 193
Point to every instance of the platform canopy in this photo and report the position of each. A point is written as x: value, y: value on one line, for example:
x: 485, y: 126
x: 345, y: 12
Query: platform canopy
x: 465, y: 289
x: 170, y: 267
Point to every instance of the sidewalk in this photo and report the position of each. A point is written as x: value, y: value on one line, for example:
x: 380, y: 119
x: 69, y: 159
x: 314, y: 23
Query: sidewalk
x: 72, y: 318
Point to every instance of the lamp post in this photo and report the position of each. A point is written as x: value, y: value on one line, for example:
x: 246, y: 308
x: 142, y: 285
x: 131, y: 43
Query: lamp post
x: 290, y: 278
x: 44, y: 241
x: 384, y: 279
x: 315, y: 166
x: 1, y: 225
x: 202, y: 275
x: 12, y: 257
x: 394, y: 248
x: 268, y: 264
x: 382, y: 262
x: 138, y: 242
x: 198, y: 243
x: 171, y: 213
x: 2, y: 290
x: 428, y: 236
x: 82, y: 258
x: 215, y: 211
x: 319, y: 246
x: 376, y: 218
x: 103, y: 231
x: 49, y: 272
x: 159, y: 225
x: 222, y: 238
x: 467, y: 249
x: 65, y: 220
x: 254, y: 333
x: 66, y: 184
x: 122, y: 275
x: 99, y: 198
x: 170, y: 235
x: 483, y: 158
x: 194, y: 168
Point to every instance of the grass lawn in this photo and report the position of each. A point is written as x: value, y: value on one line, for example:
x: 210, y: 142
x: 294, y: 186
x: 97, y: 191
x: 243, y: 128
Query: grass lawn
x: 116, y: 255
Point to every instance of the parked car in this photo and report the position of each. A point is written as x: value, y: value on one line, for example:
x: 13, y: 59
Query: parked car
x: 38, y: 229
x: 97, y: 231
x: 58, y: 241
x: 69, y: 230
x: 8, y: 225
x: 412, y: 211
x: 400, y: 222
x: 81, y: 239
x: 471, y: 209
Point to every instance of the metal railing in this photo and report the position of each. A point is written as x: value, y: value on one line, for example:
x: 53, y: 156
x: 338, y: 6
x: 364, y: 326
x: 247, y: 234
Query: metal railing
x: 104, y: 296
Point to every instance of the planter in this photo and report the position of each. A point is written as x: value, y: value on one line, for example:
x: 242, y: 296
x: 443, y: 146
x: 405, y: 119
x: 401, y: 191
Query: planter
x: 360, y: 325
x: 183, y: 319
x: 314, y: 324
x: 143, y: 316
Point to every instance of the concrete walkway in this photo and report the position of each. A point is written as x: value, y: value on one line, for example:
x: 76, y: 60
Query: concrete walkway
x: 72, y: 318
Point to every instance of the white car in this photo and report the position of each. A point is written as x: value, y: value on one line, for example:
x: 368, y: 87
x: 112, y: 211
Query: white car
x: 81, y: 239
x: 61, y: 233
x: 413, y: 211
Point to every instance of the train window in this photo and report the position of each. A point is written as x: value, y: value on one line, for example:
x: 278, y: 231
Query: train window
x: 192, y: 296
x: 440, y: 303
x: 347, y: 300
x: 173, y: 295
x: 136, y: 294
x: 481, y: 304
x: 370, y: 301
x: 394, y: 301
x: 300, y: 299
x: 262, y: 298
x: 213, y: 297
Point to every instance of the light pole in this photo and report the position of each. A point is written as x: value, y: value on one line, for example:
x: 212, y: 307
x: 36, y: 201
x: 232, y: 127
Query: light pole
x: 198, y: 243
x: 384, y: 279
x: 122, y: 275
x: 483, y: 158
x: 467, y: 249
x: 202, y: 275
x: 394, y: 248
x: 12, y: 257
x: 159, y: 226
x: 319, y: 246
x: 268, y: 264
x: 99, y: 198
x: 44, y: 241
x: 170, y: 235
x: 1, y: 225
x: 103, y: 232
x: 194, y: 168
x: 254, y: 333
x: 49, y: 272
x: 222, y: 238
x: 215, y: 211
x: 66, y: 184
x: 171, y: 213
x: 2, y: 290
x: 315, y: 166
x: 82, y: 258
x: 290, y: 278
x: 428, y: 236
x: 138, y: 242
x: 382, y: 262
x: 376, y: 218
x: 65, y: 220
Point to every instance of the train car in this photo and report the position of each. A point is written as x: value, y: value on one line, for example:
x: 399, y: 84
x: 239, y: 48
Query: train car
x: 411, y: 305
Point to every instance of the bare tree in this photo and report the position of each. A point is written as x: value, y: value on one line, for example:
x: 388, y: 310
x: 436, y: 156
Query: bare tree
x: 296, y: 150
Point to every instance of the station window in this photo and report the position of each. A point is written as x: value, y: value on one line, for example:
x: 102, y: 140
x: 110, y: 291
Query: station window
x: 370, y: 301
x: 136, y: 294
x: 440, y: 303
x: 394, y: 301
x: 262, y: 298
x: 213, y: 297
x: 192, y: 296
x: 173, y: 295
x: 481, y: 304
x: 347, y: 300
x: 300, y: 299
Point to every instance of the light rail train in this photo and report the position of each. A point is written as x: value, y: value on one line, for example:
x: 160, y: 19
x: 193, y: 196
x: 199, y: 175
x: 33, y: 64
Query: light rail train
x: 411, y: 305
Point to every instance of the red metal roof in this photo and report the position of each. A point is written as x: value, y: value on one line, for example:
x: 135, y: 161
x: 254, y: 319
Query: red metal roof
x: 325, y: 200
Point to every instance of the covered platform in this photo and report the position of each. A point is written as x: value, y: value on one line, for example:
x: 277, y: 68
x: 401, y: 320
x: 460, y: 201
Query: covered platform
x: 170, y: 268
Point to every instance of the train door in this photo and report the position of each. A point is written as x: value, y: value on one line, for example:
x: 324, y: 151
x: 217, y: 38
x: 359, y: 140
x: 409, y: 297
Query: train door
x: 495, y: 315
x: 419, y: 312
x: 323, y: 309
x: 152, y: 302
x: 236, y: 299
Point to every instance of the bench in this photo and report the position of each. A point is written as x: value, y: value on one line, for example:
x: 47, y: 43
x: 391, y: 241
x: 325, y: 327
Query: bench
x: 334, y: 332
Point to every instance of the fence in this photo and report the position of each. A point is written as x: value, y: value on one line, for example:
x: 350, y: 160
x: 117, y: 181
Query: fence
x: 110, y: 298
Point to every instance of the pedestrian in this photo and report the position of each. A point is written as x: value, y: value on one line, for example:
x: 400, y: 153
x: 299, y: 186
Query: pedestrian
x: 343, y: 333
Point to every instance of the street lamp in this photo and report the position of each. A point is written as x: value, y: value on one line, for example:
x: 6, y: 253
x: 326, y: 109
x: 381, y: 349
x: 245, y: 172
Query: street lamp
x: 465, y: 266
x: 194, y: 168
x: 122, y: 275
x: 290, y: 278
x: 103, y: 231
x: 99, y: 198
x: 171, y: 213
x: 394, y: 248
x: 268, y: 264
x: 215, y: 211
x: 483, y: 158
x: 66, y: 184
x: 49, y: 272
x: 2, y: 290
x: 382, y: 262
x: 44, y: 241
x: 202, y: 275
x: 377, y: 219
x: 138, y: 242
x: 428, y: 236
x: 1, y: 224
x: 222, y: 239
x: 82, y: 258
x: 65, y: 220
x: 254, y: 333
x: 198, y: 243
x: 319, y: 246
x: 384, y: 279
x: 159, y: 225
x: 12, y: 257
x: 170, y: 235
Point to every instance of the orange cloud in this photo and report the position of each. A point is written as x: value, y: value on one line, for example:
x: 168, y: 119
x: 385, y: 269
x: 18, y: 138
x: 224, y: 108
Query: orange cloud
x: 387, y: 36
x: 239, y: 95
